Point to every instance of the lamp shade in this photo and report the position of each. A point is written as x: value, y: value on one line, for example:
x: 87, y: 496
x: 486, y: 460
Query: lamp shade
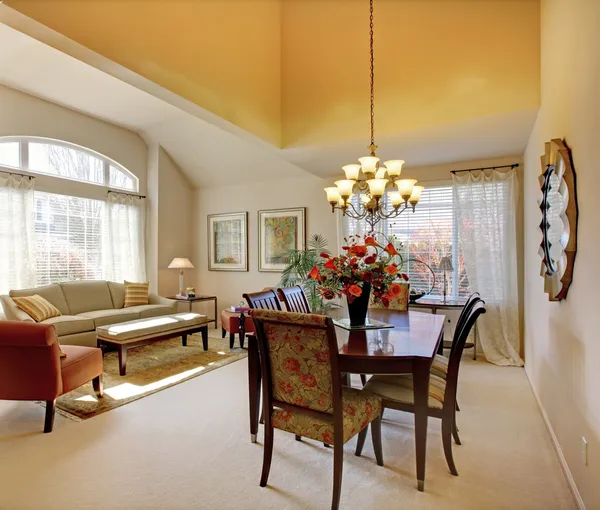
x: 181, y: 263
x: 394, y: 167
x: 351, y: 172
x: 445, y: 263
x: 333, y: 194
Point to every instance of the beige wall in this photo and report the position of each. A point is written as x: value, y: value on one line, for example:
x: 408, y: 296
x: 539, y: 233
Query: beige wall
x: 562, y: 342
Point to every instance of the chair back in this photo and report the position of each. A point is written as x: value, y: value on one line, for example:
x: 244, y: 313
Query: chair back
x: 294, y: 299
x: 399, y: 301
x: 29, y: 361
x: 266, y: 300
x: 299, y: 355
x: 458, y: 345
x: 472, y: 299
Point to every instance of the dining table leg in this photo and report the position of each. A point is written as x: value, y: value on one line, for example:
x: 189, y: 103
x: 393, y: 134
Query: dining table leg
x: 254, y: 376
x: 421, y: 369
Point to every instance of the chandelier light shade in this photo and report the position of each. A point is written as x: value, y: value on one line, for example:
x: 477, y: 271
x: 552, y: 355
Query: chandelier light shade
x: 377, y: 185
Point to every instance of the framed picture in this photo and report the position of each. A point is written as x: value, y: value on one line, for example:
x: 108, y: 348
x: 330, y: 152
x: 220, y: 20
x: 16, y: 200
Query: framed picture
x: 228, y: 242
x: 279, y: 230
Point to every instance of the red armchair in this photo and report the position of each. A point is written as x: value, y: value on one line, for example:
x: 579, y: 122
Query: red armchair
x: 31, y: 367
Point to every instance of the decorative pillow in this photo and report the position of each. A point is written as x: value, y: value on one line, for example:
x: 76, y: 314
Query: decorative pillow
x: 135, y: 294
x: 37, y: 307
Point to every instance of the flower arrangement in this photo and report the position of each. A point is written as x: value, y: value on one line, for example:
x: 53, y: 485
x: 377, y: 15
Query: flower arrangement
x: 364, y: 261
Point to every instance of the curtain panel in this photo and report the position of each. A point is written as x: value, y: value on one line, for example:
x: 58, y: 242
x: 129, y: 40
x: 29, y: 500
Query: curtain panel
x: 123, y: 244
x: 485, y: 206
x: 17, y: 256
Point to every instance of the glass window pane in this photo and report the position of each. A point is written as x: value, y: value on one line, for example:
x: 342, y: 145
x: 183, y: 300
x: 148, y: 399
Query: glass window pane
x: 9, y: 154
x: 119, y: 179
x: 65, y: 162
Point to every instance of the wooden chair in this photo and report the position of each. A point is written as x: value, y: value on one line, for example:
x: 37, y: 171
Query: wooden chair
x: 302, y: 390
x: 265, y: 299
x: 397, y: 391
x: 294, y: 299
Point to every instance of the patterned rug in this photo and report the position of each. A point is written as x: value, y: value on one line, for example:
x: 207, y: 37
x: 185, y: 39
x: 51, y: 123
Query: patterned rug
x: 150, y: 368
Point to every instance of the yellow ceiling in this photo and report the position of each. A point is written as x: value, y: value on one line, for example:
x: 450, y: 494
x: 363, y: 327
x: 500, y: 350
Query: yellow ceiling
x: 295, y: 73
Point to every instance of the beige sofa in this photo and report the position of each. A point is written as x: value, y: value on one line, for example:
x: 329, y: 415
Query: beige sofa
x: 85, y: 305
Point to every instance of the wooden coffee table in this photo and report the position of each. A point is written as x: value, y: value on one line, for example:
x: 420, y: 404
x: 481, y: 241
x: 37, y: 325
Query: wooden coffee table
x: 130, y: 334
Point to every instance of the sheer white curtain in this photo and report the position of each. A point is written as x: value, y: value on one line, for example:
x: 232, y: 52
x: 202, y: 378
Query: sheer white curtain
x: 485, y: 204
x: 17, y: 257
x: 123, y: 252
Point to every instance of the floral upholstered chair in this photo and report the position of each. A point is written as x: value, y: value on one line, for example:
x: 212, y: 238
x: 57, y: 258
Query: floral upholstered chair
x: 302, y: 389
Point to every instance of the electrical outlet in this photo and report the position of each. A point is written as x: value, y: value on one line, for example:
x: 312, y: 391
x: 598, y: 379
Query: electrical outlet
x: 584, y: 451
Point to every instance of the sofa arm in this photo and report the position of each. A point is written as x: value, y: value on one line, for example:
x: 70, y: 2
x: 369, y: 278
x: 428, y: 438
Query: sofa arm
x: 155, y: 299
x: 12, y: 312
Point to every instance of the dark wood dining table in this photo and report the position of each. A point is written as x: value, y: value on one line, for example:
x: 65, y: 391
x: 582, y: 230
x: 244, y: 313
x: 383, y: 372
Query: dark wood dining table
x: 407, y: 348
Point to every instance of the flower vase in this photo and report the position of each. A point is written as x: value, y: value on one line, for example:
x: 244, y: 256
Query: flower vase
x: 357, y: 309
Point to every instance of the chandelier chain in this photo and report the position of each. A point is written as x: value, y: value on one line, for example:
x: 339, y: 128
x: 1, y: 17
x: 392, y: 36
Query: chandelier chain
x: 372, y: 147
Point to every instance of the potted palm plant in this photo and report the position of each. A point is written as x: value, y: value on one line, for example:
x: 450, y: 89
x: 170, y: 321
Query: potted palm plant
x: 299, y: 265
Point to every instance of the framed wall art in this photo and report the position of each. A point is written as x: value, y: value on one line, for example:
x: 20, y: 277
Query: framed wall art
x: 279, y: 231
x: 228, y: 242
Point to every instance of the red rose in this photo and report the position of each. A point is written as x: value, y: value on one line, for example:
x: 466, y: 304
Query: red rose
x: 329, y: 264
x: 314, y: 273
x: 355, y: 290
x: 367, y: 276
x: 391, y: 250
x: 358, y: 251
x: 328, y: 294
x: 385, y: 301
x: 308, y: 380
x: 292, y: 365
x: 391, y: 269
x: 371, y: 259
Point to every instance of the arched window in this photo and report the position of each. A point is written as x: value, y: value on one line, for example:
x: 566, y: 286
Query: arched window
x: 65, y: 160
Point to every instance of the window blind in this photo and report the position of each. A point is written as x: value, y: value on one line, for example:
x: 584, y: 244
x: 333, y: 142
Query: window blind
x: 426, y: 235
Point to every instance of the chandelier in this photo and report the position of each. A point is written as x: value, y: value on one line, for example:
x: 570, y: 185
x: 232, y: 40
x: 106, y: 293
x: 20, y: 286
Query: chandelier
x: 376, y: 186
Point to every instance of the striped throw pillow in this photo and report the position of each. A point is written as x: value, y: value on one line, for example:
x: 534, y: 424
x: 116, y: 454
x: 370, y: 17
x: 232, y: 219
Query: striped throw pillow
x: 37, y: 307
x: 136, y: 294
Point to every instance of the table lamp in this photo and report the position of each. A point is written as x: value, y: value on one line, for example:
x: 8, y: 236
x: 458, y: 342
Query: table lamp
x: 181, y: 264
x: 445, y: 265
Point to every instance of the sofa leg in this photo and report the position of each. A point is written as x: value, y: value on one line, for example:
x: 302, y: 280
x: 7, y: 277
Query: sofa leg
x: 98, y: 386
x: 49, y: 421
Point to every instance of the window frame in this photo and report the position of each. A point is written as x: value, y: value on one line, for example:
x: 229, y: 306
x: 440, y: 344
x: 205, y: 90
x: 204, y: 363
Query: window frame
x: 107, y: 162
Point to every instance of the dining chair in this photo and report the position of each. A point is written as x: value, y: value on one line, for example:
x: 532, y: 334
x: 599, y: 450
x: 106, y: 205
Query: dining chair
x: 397, y: 390
x: 265, y: 299
x: 294, y: 299
x: 302, y: 389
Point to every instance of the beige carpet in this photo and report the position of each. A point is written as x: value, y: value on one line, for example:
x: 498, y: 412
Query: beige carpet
x: 150, y: 368
x: 188, y: 447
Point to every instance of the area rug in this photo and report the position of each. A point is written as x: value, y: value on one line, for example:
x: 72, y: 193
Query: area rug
x: 150, y: 368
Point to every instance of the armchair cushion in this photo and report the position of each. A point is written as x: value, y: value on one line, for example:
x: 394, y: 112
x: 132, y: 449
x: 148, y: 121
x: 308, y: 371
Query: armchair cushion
x: 81, y: 365
x: 37, y: 307
x: 136, y: 293
x: 359, y: 409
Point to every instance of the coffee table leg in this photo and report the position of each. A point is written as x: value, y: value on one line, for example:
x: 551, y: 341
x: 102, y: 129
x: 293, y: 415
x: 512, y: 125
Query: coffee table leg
x: 205, y: 338
x: 184, y: 340
x: 122, y: 360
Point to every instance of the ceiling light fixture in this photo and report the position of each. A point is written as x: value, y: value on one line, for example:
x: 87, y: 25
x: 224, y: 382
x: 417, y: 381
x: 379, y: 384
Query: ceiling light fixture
x: 369, y: 180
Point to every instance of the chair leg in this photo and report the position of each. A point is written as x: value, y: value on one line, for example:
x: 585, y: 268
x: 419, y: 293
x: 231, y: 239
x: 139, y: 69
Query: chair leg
x: 376, y: 438
x: 49, y: 420
x: 298, y: 438
x: 98, y: 386
x: 447, y: 426
x: 360, y: 442
x: 267, y: 456
x: 242, y: 339
x: 223, y: 332
x: 231, y: 340
x: 455, y: 433
x: 457, y: 407
x: 363, y: 379
x: 338, y: 464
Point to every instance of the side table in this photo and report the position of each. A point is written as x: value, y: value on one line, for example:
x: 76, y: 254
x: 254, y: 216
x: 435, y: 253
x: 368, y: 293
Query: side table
x: 192, y: 300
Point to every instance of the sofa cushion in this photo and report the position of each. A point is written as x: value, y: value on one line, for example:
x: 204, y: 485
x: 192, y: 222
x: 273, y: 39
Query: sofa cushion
x: 151, y: 310
x: 87, y: 295
x: 70, y: 324
x: 136, y: 293
x: 37, y: 307
x: 51, y: 293
x: 111, y: 316
x: 117, y: 292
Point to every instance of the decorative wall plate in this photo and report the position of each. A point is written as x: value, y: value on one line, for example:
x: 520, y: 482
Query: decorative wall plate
x: 558, y: 204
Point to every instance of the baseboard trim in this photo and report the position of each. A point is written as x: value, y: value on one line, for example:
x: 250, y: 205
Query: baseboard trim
x: 558, y: 449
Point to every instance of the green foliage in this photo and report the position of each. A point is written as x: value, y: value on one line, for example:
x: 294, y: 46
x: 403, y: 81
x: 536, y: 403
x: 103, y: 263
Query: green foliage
x: 299, y: 264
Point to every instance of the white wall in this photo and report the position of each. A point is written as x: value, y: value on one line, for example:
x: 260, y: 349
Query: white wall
x: 562, y: 340
x: 25, y: 115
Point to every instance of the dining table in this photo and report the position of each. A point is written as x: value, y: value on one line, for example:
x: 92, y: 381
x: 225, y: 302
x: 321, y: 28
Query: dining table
x: 408, y: 347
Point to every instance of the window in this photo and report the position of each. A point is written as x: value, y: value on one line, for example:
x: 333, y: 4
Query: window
x: 68, y: 161
x: 427, y: 234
